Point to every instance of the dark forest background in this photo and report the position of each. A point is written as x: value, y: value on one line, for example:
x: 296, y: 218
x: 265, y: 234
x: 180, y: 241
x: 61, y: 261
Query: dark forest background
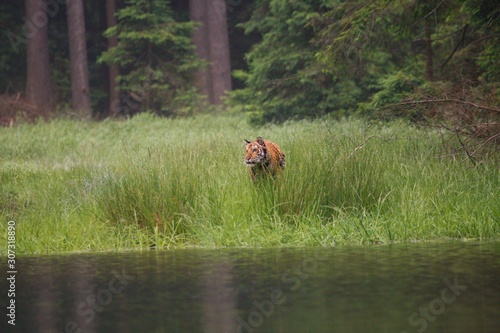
x: 271, y: 59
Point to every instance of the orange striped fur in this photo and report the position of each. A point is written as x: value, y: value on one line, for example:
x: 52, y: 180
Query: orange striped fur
x: 264, y: 157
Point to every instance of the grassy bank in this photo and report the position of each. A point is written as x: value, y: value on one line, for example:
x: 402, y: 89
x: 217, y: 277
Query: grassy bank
x: 73, y: 186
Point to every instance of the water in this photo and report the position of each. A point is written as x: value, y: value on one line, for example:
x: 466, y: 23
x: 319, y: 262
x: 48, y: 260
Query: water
x: 452, y: 287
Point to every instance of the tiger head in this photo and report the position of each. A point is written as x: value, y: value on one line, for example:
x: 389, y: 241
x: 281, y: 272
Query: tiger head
x: 256, y: 152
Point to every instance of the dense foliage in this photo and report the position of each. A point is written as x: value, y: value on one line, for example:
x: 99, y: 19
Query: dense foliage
x: 325, y: 56
x: 284, y: 79
x: 299, y: 59
x: 156, y: 57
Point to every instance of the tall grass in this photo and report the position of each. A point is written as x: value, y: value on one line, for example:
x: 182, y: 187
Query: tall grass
x: 151, y: 182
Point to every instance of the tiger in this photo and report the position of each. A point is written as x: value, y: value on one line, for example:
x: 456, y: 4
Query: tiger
x: 264, y: 157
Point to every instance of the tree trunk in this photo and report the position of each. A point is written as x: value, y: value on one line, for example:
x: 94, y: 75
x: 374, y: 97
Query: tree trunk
x: 38, y: 86
x: 149, y: 68
x: 218, y: 41
x: 198, y: 13
x: 80, y: 96
x: 113, y: 71
x: 428, y: 51
x: 212, y: 44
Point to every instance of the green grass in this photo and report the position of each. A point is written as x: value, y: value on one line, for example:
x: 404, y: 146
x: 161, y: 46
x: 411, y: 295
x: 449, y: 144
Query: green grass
x: 118, y: 185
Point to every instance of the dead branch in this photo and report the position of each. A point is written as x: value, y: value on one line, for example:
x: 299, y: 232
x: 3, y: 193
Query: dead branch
x: 429, y: 14
x: 464, y: 30
x: 359, y: 146
x: 472, y: 159
x: 494, y: 137
x: 445, y: 100
x: 483, y: 38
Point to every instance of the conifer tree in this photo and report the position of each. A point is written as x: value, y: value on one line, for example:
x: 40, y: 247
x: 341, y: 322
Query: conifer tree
x: 155, y: 56
x: 284, y: 80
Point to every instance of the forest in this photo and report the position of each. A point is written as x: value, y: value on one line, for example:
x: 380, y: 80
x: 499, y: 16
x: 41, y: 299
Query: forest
x: 271, y: 59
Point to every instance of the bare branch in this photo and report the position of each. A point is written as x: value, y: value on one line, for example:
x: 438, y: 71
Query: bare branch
x: 444, y: 100
x: 485, y: 142
x: 359, y: 146
x: 464, y: 30
x: 429, y: 14
x: 472, y: 159
x: 483, y: 38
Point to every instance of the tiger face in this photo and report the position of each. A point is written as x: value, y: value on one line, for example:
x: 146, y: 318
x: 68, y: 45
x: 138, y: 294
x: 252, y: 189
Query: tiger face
x: 256, y: 152
x: 264, y: 157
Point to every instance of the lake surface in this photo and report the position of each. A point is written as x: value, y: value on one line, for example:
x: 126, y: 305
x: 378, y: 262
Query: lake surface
x: 452, y: 287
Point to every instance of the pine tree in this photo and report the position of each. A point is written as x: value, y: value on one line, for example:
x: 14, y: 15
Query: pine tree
x: 395, y: 49
x: 156, y: 58
x: 284, y: 80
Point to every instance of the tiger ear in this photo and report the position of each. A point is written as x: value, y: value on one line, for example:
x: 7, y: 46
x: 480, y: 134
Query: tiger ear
x: 247, y: 141
x: 260, y: 140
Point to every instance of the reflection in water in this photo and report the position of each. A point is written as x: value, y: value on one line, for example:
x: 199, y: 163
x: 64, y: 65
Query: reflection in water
x: 219, y: 299
x: 449, y: 287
